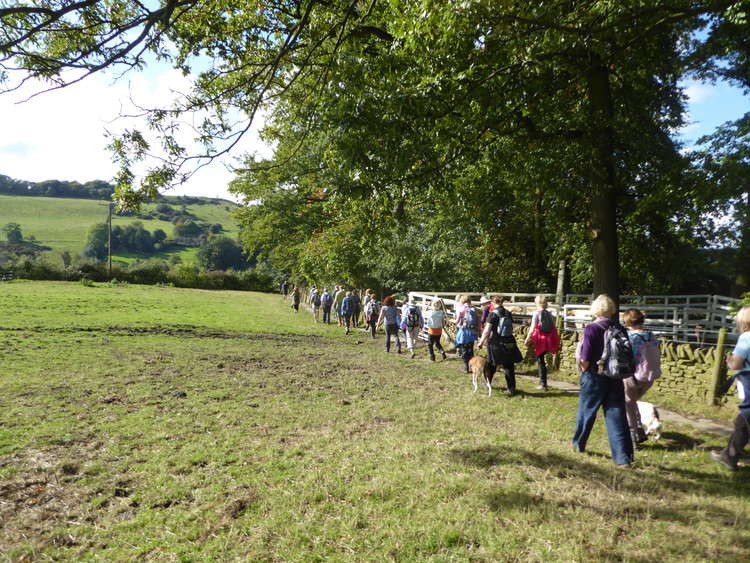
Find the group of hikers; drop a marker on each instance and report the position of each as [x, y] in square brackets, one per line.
[617, 364]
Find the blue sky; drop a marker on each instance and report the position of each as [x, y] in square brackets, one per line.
[710, 106]
[60, 135]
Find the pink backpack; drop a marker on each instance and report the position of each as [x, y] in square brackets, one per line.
[648, 363]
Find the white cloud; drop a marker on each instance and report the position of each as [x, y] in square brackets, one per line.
[61, 134]
[698, 93]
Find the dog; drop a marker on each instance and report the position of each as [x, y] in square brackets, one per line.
[480, 367]
[650, 419]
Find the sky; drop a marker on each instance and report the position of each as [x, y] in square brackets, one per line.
[61, 134]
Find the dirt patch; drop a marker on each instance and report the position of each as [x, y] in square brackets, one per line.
[185, 331]
[39, 497]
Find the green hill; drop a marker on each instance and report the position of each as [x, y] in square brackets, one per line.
[63, 223]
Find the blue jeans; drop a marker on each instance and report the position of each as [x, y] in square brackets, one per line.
[600, 391]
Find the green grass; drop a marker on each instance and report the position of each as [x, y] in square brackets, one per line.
[62, 224]
[293, 442]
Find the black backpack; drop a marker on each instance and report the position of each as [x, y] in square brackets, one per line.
[546, 322]
[412, 318]
[618, 359]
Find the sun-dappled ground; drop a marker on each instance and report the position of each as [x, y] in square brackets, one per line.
[170, 424]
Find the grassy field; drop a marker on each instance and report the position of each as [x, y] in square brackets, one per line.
[161, 424]
[63, 223]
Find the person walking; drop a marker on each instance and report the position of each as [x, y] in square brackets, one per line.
[739, 360]
[326, 300]
[337, 300]
[412, 322]
[485, 304]
[390, 315]
[466, 331]
[435, 322]
[315, 302]
[347, 310]
[502, 350]
[543, 336]
[356, 308]
[296, 296]
[648, 369]
[597, 390]
[372, 313]
[285, 289]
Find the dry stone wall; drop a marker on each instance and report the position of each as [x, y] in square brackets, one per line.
[686, 370]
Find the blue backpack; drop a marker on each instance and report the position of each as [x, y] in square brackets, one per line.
[470, 319]
[504, 322]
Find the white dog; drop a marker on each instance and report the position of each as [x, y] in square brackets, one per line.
[650, 419]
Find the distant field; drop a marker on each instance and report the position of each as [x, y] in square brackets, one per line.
[62, 223]
[162, 424]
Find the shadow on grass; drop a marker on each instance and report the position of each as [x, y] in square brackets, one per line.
[633, 490]
[651, 477]
[673, 442]
[546, 394]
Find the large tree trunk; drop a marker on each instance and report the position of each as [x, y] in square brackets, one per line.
[603, 183]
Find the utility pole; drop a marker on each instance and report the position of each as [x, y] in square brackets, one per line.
[109, 241]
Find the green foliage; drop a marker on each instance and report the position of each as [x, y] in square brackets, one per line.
[537, 131]
[221, 253]
[13, 233]
[97, 242]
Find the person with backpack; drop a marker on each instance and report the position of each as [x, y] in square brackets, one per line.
[372, 313]
[315, 302]
[389, 314]
[543, 336]
[738, 360]
[337, 300]
[502, 349]
[435, 323]
[466, 331]
[647, 369]
[605, 357]
[347, 310]
[412, 322]
[296, 296]
[326, 300]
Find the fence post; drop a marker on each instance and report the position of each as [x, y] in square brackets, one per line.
[560, 294]
[717, 377]
[560, 322]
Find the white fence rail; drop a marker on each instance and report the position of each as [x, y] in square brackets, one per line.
[694, 319]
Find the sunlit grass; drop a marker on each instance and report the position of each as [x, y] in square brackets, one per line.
[168, 424]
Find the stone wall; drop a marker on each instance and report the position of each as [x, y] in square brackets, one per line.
[686, 370]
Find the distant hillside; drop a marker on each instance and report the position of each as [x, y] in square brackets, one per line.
[63, 223]
[95, 189]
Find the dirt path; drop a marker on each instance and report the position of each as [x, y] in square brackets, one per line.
[698, 423]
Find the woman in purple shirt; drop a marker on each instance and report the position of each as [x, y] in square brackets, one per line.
[598, 390]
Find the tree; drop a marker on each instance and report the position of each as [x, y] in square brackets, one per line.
[159, 236]
[97, 242]
[189, 229]
[13, 233]
[726, 159]
[399, 97]
[221, 253]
